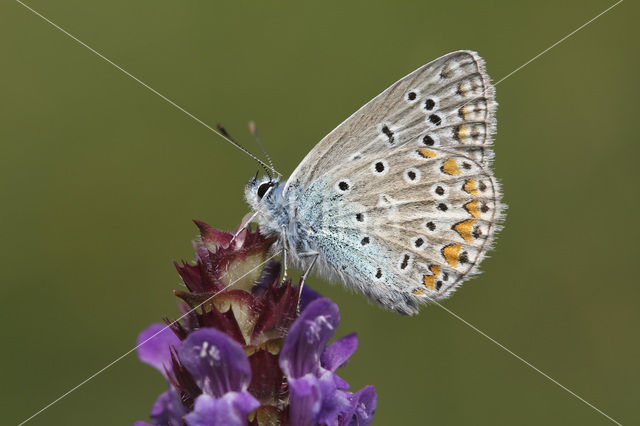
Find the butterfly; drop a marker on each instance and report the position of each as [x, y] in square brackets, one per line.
[398, 202]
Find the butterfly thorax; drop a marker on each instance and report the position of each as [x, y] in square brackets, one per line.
[279, 213]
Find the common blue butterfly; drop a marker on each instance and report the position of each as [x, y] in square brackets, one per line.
[399, 201]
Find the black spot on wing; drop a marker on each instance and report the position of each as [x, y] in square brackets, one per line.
[435, 119]
[387, 131]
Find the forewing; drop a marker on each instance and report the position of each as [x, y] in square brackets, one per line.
[446, 103]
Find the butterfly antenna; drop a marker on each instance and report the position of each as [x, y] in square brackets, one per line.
[228, 137]
[254, 132]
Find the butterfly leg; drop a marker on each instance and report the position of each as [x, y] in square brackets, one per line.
[303, 279]
[283, 240]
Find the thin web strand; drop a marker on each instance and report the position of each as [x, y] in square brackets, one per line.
[548, 49]
[209, 127]
[518, 357]
[145, 85]
[558, 42]
[138, 345]
[524, 361]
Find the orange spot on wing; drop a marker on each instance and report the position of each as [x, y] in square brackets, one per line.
[462, 133]
[427, 153]
[450, 167]
[418, 291]
[470, 187]
[464, 228]
[451, 254]
[429, 281]
[435, 269]
[473, 207]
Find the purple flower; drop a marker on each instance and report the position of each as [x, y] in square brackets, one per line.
[242, 353]
[362, 407]
[221, 369]
[154, 348]
[316, 392]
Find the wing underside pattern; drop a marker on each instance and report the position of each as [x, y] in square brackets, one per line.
[401, 196]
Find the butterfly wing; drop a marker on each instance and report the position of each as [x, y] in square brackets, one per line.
[399, 200]
[448, 102]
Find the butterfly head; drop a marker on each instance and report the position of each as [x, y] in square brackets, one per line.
[258, 190]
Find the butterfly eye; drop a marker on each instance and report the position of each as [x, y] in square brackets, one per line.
[262, 189]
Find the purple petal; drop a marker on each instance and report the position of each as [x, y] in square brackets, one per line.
[363, 407]
[217, 362]
[308, 337]
[339, 352]
[141, 423]
[154, 346]
[316, 400]
[340, 382]
[230, 410]
[305, 400]
[334, 401]
[167, 409]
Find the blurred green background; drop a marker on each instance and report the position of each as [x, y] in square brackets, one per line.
[100, 179]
